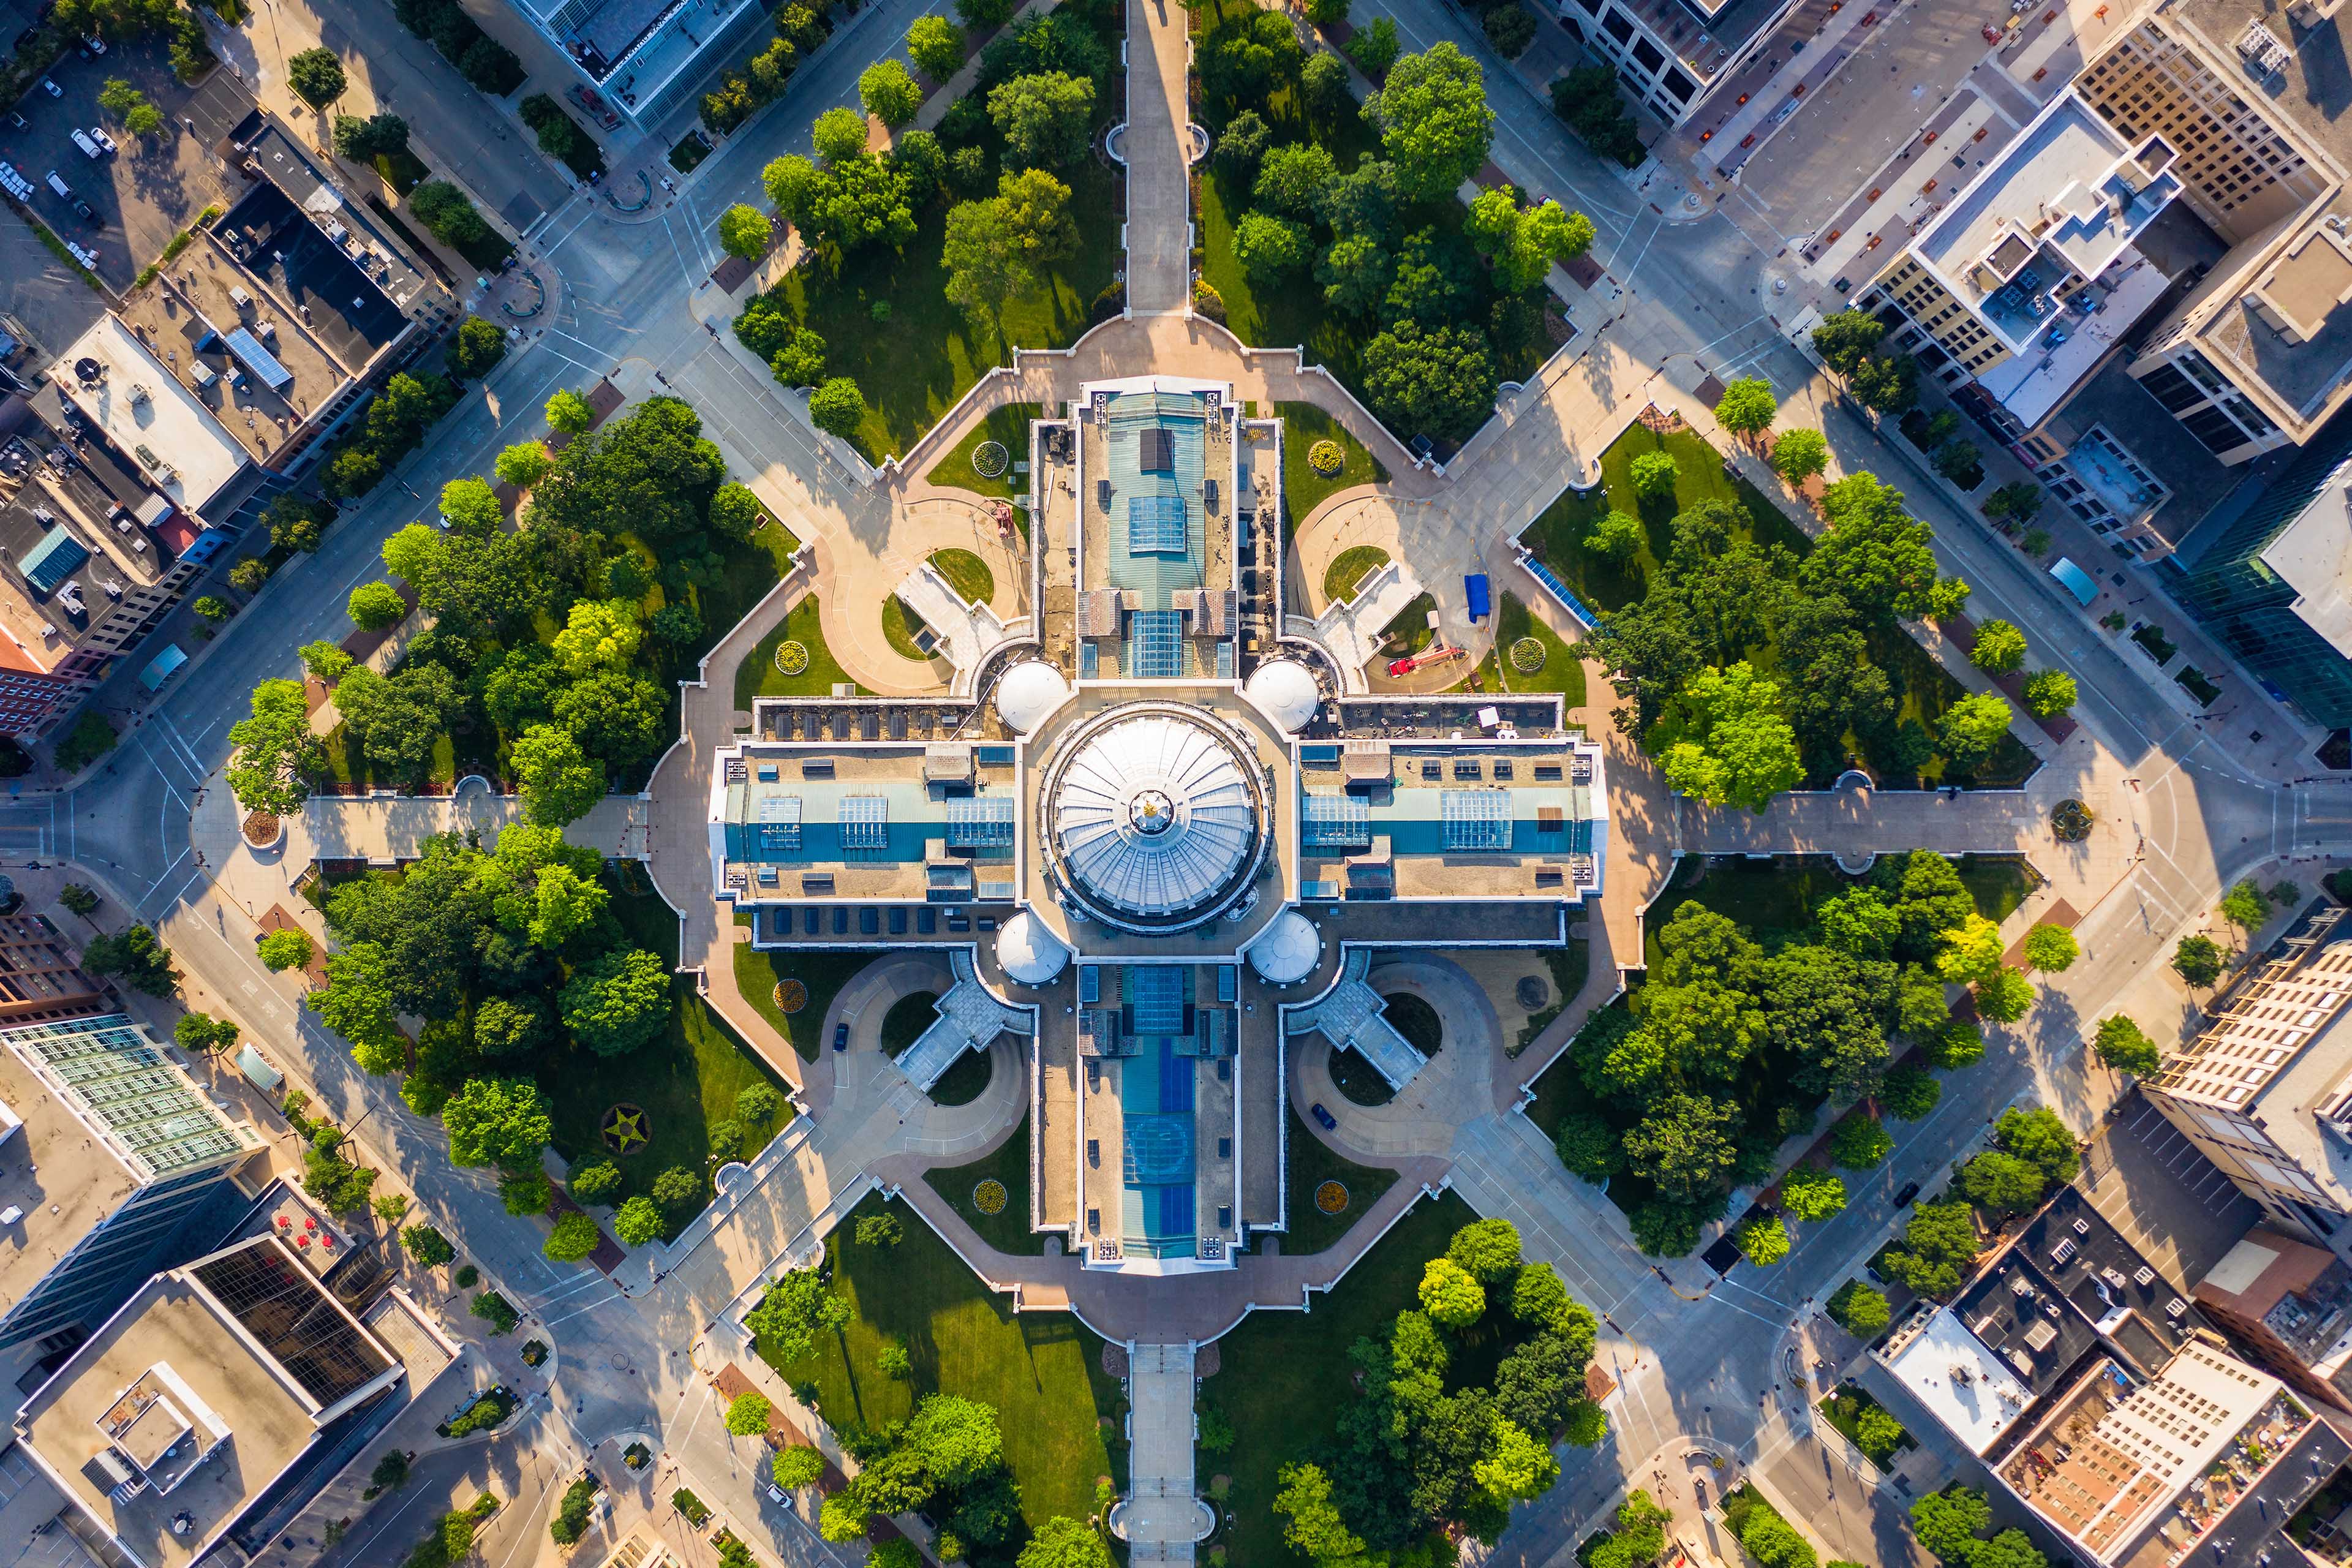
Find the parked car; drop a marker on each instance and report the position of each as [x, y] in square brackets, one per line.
[1323, 1117]
[1903, 1199]
[90, 149]
[99, 136]
[841, 1037]
[52, 88]
[88, 213]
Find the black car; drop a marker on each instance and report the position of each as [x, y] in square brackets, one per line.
[841, 1037]
[1903, 1199]
[1322, 1117]
[86, 210]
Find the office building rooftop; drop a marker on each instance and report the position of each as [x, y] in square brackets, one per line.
[141, 405]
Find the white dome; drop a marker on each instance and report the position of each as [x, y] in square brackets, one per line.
[1286, 951]
[1285, 692]
[1029, 952]
[1153, 815]
[1028, 692]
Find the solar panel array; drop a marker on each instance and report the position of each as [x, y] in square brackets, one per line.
[1156, 645]
[120, 1083]
[1335, 822]
[1476, 818]
[980, 822]
[1157, 994]
[1155, 525]
[864, 821]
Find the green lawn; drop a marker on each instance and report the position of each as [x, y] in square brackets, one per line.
[965, 1081]
[1008, 1231]
[685, 1081]
[1557, 537]
[758, 676]
[1009, 425]
[1059, 1412]
[900, 626]
[1563, 666]
[1312, 1163]
[967, 573]
[1412, 625]
[1775, 898]
[915, 364]
[1304, 489]
[908, 1016]
[1349, 568]
[824, 973]
[1285, 1376]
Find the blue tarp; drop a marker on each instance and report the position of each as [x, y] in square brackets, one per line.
[1475, 585]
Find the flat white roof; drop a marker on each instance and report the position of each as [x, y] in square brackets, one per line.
[2314, 555]
[1949, 1371]
[168, 425]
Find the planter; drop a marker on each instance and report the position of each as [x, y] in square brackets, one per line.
[263, 829]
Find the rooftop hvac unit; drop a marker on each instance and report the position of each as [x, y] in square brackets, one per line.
[140, 395]
[243, 301]
[2261, 48]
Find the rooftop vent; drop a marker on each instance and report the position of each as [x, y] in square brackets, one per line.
[2261, 50]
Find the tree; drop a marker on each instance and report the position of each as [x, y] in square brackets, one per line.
[1269, 248]
[2001, 1183]
[1327, 13]
[1747, 407]
[837, 406]
[1845, 339]
[1684, 1144]
[1887, 383]
[1808, 1193]
[1046, 119]
[1863, 1314]
[1292, 178]
[143, 961]
[276, 753]
[798, 1465]
[1487, 1250]
[840, 135]
[1947, 598]
[363, 141]
[1451, 1296]
[2015, 503]
[1065, 1542]
[1618, 537]
[1434, 120]
[2050, 949]
[1972, 952]
[880, 1230]
[428, 1246]
[568, 413]
[795, 1309]
[1733, 747]
[1798, 454]
[1910, 1094]
[637, 1221]
[2049, 693]
[202, 1035]
[676, 1187]
[1510, 30]
[1438, 383]
[523, 464]
[2124, 1045]
[376, 606]
[994, 248]
[575, 1235]
[594, 1182]
[78, 900]
[936, 45]
[743, 231]
[1999, 647]
[477, 349]
[1374, 49]
[559, 784]
[1653, 474]
[1958, 461]
[316, 75]
[889, 94]
[2004, 997]
[497, 1121]
[1762, 1242]
[1589, 1146]
[1859, 1143]
[1949, 1523]
[1516, 1467]
[1356, 271]
[2198, 959]
[1523, 245]
[284, 949]
[1243, 146]
[505, 1028]
[2041, 1136]
[2242, 906]
[1974, 725]
[1315, 1530]
[617, 1002]
[748, 1415]
[1323, 88]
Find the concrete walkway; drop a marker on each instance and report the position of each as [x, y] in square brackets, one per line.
[1162, 1515]
[1156, 147]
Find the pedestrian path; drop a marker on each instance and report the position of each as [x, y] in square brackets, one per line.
[1155, 143]
[1160, 1518]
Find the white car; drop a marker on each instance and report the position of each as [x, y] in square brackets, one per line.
[52, 88]
[103, 140]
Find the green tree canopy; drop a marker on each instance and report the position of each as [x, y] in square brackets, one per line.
[1747, 407]
[1046, 118]
[2124, 1045]
[1451, 1295]
[2052, 949]
[1729, 744]
[1974, 725]
[1810, 1192]
[1841, 340]
[497, 1120]
[276, 755]
[743, 231]
[936, 45]
[889, 94]
[1999, 647]
[617, 1002]
[1434, 120]
[1799, 454]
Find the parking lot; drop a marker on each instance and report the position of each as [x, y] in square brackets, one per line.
[150, 189]
[2168, 1199]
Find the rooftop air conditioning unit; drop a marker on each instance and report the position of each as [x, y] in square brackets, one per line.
[140, 395]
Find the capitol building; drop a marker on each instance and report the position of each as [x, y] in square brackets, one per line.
[1160, 826]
